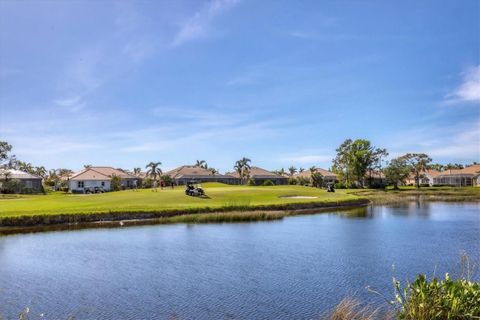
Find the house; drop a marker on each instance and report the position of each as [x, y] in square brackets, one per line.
[260, 175]
[328, 177]
[100, 177]
[426, 177]
[27, 182]
[183, 174]
[375, 178]
[469, 176]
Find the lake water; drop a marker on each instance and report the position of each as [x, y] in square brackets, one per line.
[296, 268]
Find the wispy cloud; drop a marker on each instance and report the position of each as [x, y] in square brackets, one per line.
[315, 36]
[308, 158]
[73, 104]
[199, 25]
[244, 80]
[469, 90]
[443, 143]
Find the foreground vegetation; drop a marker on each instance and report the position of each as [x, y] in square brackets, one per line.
[437, 299]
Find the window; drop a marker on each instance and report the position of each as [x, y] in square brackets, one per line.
[28, 184]
[80, 184]
[103, 183]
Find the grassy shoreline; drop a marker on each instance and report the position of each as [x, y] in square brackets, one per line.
[53, 209]
[404, 194]
[229, 216]
[224, 204]
[199, 215]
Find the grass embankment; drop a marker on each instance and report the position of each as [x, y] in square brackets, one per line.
[55, 208]
[389, 196]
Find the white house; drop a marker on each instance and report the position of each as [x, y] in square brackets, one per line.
[100, 177]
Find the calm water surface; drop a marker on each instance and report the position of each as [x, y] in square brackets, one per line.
[296, 268]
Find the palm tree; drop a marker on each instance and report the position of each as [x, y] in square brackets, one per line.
[154, 170]
[292, 170]
[26, 167]
[136, 171]
[213, 171]
[301, 170]
[40, 171]
[202, 164]
[242, 167]
[281, 172]
[87, 166]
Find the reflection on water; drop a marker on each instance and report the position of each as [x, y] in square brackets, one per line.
[297, 267]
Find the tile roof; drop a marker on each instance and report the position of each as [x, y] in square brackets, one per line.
[193, 172]
[470, 171]
[17, 174]
[100, 173]
[259, 173]
[323, 172]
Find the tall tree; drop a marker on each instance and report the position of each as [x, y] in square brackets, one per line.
[154, 170]
[213, 171]
[436, 166]
[137, 171]
[342, 163]
[397, 172]
[26, 167]
[5, 149]
[418, 163]
[202, 164]
[242, 167]
[317, 179]
[355, 158]
[40, 171]
[292, 170]
[301, 169]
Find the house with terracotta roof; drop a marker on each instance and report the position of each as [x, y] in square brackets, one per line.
[100, 177]
[469, 176]
[328, 177]
[27, 182]
[183, 174]
[260, 175]
[426, 177]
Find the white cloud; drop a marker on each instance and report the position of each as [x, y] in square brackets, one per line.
[72, 104]
[199, 24]
[469, 90]
[243, 80]
[448, 143]
[308, 158]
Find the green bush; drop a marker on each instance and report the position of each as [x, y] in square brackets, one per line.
[303, 181]
[268, 183]
[438, 299]
[340, 185]
[251, 182]
[167, 180]
[116, 183]
[147, 183]
[291, 181]
[12, 186]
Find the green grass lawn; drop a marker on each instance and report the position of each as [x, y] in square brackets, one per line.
[144, 200]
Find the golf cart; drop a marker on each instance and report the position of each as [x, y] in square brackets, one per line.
[194, 189]
[330, 187]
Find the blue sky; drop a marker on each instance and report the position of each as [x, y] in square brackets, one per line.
[281, 82]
